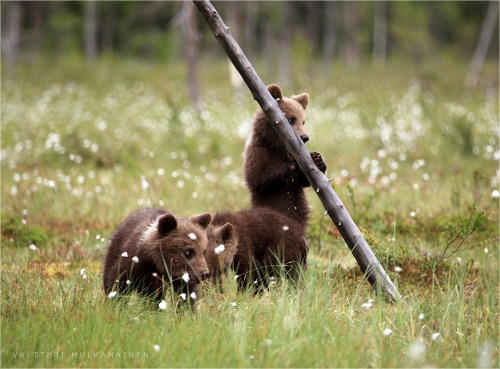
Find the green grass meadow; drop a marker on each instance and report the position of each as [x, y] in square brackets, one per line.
[413, 156]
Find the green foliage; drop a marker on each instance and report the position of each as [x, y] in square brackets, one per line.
[84, 145]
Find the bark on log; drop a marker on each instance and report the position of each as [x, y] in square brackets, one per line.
[365, 257]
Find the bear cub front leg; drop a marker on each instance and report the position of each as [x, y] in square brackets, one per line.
[316, 157]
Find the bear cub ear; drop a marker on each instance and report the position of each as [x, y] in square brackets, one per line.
[275, 91]
[302, 99]
[226, 232]
[167, 223]
[203, 220]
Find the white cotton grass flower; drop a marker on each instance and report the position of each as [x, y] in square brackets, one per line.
[286, 228]
[486, 250]
[83, 272]
[398, 269]
[368, 304]
[128, 282]
[124, 254]
[183, 296]
[387, 332]
[495, 194]
[219, 249]
[112, 294]
[162, 305]
[234, 304]
[416, 351]
[156, 348]
[33, 247]
[192, 236]
[193, 295]
[135, 259]
[185, 277]
[421, 316]
[485, 355]
[436, 336]
[154, 274]
[413, 214]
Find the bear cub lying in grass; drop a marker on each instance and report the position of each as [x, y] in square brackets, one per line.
[264, 244]
[151, 248]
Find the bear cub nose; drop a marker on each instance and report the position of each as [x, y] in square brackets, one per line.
[204, 275]
[304, 138]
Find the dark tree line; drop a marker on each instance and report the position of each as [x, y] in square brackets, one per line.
[354, 31]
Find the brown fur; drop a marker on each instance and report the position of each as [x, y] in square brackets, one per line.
[268, 244]
[272, 175]
[219, 264]
[161, 242]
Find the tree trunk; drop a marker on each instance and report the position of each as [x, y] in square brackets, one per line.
[11, 38]
[369, 264]
[330, 35]
[90, 30]
[190, 29]
[285, 44]
[483, 44]
[379, 31]
[352, 29]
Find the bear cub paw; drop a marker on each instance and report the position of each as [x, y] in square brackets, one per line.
[318, 160]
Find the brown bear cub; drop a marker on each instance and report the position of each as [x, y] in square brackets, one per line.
[269, 245]
[272, 175]
[221, 249]
[152, 247]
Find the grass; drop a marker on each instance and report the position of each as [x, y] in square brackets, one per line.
[414, 161]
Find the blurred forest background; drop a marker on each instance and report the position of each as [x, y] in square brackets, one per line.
[281, 33]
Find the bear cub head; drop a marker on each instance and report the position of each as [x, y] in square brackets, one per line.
[294, 109]
[177, 246]
[221, 249]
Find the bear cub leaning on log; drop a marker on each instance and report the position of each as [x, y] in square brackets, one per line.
[153, 247]
[272, 175]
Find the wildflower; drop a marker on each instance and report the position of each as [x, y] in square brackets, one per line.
[192, 236]
[84, 276]
[193, 295]
[144, 183]
[185, 277]
[368, 304]
[128, 282]
[398, 269]
[421, 316]
[495, 194]
[234, 304]
[436, 336]
[112, 294]
[268, 342]
[154, 274]
[98, 237]
[387, 332]
[32, 247]
[412, 214]
[183, 296]
[459, 260]
[162, 305]
[219, 249]
[135, 259]
[416, 351]
[156, 348]
[125, 254]
[286, 228]
[486, 250]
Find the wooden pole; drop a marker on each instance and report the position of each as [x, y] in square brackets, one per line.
[365, 257]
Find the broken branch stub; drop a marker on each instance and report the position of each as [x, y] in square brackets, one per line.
[360, 249]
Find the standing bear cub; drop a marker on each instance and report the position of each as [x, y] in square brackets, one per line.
[153, 247]
[272, 175]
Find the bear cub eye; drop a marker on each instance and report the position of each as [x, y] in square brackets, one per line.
[189, 253]
[291, 121]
